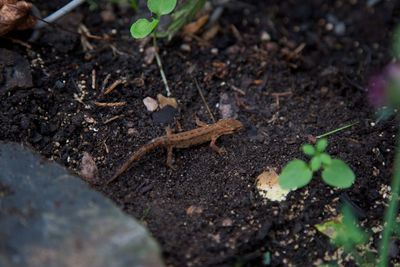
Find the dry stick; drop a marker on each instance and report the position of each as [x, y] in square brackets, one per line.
[113, 119]
[237, 89]
[106, 147]
[94, 79]
[113, 86]
[158, 59]
[278, 95]
[110, 104]
[204, 100]
[105, 81]
[19, 42]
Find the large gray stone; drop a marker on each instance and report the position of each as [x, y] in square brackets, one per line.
[50, 218]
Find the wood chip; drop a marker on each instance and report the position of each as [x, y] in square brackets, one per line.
[166, 101]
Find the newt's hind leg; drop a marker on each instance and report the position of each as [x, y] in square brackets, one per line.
[217, 149]
[170, 158]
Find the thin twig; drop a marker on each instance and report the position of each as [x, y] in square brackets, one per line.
[159, 63]
[278, 95]
[113, 86]
[110, 104]
[106, 147]
[19, 42]
[94, 79]
[105, 81]
[113, 119]
[237, 89]
[204, 100]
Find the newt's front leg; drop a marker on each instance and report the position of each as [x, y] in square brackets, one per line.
[170, 158]
[217, 149]
[170, 148]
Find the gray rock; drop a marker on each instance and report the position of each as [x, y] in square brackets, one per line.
[15, 71]
[49, 217]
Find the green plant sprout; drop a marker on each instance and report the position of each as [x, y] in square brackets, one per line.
[384, 94]
[182, 16]
[346, 234]
[144, 27]
[298, 173]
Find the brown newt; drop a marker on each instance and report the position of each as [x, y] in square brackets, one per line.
[204, 133]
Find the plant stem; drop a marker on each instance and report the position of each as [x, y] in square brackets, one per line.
[336, 130]
[159, 63]
[391, 211]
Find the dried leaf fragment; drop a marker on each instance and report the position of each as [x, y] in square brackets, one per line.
[194, 27]
[166, 101]
[268, 186]
[15, 15]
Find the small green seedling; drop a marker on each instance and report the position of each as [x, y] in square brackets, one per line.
[345, 233]
[144, 27]
[348, 234]
[335, 172]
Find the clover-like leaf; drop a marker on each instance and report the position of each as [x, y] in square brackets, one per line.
[321, 145]
[338, 174]
[308, 149]
[143, 27]
[326, 159]
[315, 163]
[295, 174]
[161, 7]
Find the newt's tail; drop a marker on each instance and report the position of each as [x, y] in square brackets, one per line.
[135, 157]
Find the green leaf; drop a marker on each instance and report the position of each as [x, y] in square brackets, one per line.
[143, 27]
[322, 144]
[315, 163]
[295, 174]
[348, 234]
[308, 149]
[161, 7]
[326, 159]
[338, 174]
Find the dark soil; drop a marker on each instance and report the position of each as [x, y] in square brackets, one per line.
[207, 212]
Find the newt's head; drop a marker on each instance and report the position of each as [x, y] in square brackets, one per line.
[229, 126]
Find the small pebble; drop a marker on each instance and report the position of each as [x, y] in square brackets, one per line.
[150, 103]
[227, 222]
[265, 37]
[214, 51]
[186, 48]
